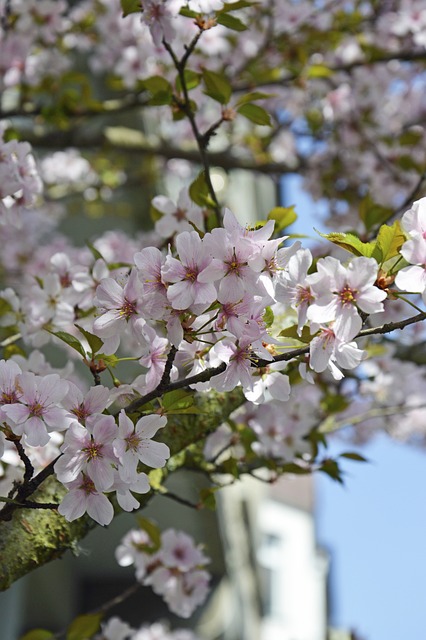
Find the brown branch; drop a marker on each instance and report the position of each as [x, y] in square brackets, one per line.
[111, 107]
[26, 489]
[83, 139]
[33, 537]
[403, 56]
[186, 107]
[179, 499]
[165, 379]
[206, 375]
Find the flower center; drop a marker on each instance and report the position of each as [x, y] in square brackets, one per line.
[348, 295]
[128, 308]
[303, 294]
[191, 274]
[180, 214]
[80, 412]
[87, 485]
[93, 451]
[9, 397]
[133, 442]
[36, 410]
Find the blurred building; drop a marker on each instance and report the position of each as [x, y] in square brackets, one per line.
[276, 582]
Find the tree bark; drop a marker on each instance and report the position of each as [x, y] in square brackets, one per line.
[34, 537]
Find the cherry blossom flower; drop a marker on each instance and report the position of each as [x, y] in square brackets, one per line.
[192, 289]
[158, 16]
[178, 550]
[341, 291]
[333, 347]
[133, 444]
[89, 449]
[154, 357]
[269, 384]
[82, 407]
[175, 571]
[183, 595]
[119, 307]
[38, 410]
[413, 278]
[124, 490]
[149, 263]
[129, 548]
[115, 629]
[231, 249]
[10, 389]
[293, 286]
[82, 496]
[177, 217]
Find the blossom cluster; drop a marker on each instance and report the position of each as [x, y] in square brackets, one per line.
[116, 629]
[20, 183]
[413, 278]
[174, 568]
[97, 456]
[212, 298]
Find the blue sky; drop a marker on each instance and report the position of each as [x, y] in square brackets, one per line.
[374, 526]
[375, 530]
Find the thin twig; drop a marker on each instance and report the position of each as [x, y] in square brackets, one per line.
[5, 17]
[105, 607]
[186, 107]
[25, 489]
[179, 499]
[29, 469]
[165, 379]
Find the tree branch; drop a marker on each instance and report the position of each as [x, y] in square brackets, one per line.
[132, 142]
[33, 537]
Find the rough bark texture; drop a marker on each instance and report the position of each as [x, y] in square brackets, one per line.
[34, 537]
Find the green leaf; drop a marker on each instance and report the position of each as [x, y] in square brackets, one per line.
[389, 242]
[199, 191]
[192, 80]
[178, 399]
[156, 480]
[318, 71]
[332, 469]
[230, 22]
[350, 242]
[10, 501]
[84, 627]
[95, 343]
[130, 6]
[283, 216]
[5, 307]
[230, 465]
[208, 499]
[70, 341]
[291, 332]
[160, 89]
[217, 86]
[372, 213]
[268, 317]
[109, 361]
[252, 96]
[255, 114]
[411, 137]
[38, 634]
[292, 467]
[188, 13]
[234, 6]
[351, 455]
[333, 403]
[152, 530]
[96, 254]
